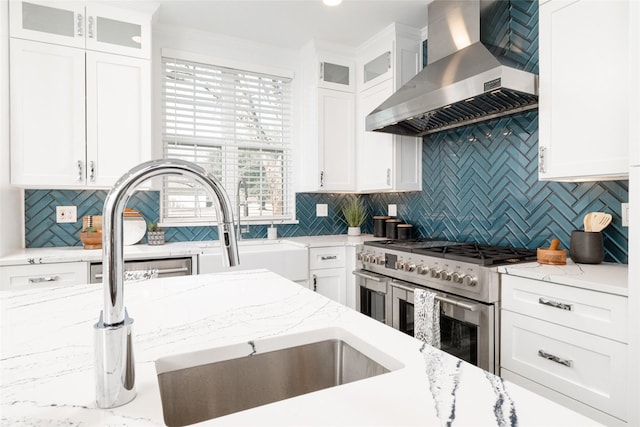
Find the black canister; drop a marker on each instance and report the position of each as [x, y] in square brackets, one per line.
[586, 247]
[379, 223]
[405, 231]
[392, 228]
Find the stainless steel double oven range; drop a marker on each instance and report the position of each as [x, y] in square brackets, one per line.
[464, 278]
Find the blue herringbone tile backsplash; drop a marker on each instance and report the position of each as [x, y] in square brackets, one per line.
[480, 183]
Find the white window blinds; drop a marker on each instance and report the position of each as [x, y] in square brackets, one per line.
[237, 125]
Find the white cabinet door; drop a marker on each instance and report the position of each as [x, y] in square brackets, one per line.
[86, 25]
[375, 157]
[118, 31]
[59, 22]
[584, 89]
[384, 161]
[329, 282]
[47, 114]
[118, 114]
[336, 144]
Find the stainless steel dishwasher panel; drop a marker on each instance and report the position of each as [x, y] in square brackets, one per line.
[167, 267]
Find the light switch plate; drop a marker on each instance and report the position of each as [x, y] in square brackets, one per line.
[392, 210]
[322, 210]
[66, 214]
[625, 214]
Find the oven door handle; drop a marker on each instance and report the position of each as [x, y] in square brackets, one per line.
[447, 300]
[369, 276]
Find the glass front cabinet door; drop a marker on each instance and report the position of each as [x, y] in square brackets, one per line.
[92, 26]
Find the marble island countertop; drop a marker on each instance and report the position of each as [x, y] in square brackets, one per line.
[46, 358]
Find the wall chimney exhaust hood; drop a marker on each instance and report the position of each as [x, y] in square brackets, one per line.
[471, 75]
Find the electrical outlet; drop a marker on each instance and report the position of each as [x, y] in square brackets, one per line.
[625, 214]
[66, 214]
[322, 210]
[392, 210]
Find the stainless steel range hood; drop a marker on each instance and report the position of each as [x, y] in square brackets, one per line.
[463, 82]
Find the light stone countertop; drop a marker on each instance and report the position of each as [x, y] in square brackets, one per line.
[46, 358]
[606, 277]
[172, 249]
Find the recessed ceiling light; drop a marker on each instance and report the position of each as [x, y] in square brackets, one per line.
[332, 2]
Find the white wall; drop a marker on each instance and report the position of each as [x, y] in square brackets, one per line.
[11, 200]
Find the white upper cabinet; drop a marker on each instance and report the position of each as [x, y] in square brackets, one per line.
[327, 152]
[79, 117]
[584, 90]
[386, 162]
[88, 25]
[634, 98]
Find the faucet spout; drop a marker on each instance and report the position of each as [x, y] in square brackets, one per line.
[115, 376]
[242, 183]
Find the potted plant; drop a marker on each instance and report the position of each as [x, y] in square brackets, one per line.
[155, 234]
[354, 213]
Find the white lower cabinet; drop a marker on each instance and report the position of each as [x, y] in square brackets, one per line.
[327, 272]
[561, 340]
[18, 277]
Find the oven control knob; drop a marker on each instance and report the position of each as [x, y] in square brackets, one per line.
[457, 277]
[445, 275]
[408, 266]
[435, 273]
[380, 260]
[422, 269]
[399, 265]
[360, 256]
[468, 280]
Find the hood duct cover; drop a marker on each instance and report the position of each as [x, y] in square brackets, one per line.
[459, 86]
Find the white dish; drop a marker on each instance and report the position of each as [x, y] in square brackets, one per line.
[133, 230]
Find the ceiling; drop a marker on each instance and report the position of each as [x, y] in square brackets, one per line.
[292, 23]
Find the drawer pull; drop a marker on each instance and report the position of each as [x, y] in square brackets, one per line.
[328, 257]
[548, 356]
[555, 304]
[44, 279]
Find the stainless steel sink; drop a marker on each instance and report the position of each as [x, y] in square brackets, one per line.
[211, 390]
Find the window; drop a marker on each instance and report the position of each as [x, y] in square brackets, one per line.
[237, 125]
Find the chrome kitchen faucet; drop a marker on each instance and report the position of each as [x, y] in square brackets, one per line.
[242, 183]
[115, 374]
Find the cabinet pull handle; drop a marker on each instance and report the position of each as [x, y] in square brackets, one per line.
[542, 159]
[80, 171]
[555, 304]
[44, 279]
[315, 283]
[160, 271]
[389, 176]
[328, 257]
[388, 60]
[321, 178]
[549, 356]
[90, 27]
[322, 71]
[92, 171]
[80, 25]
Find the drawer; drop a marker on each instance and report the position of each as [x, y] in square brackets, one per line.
[329, 257]
[585, 367]
[43, 275]
[589, 311]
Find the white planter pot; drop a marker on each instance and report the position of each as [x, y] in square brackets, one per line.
[353, 231]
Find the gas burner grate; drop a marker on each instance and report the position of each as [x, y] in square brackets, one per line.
[485, 255]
